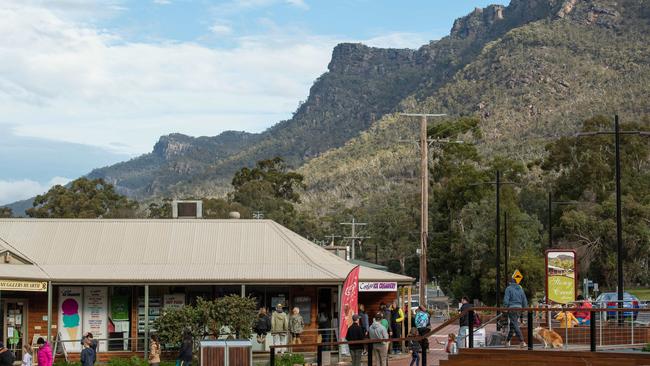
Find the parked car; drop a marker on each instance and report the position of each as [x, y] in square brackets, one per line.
[610, 300]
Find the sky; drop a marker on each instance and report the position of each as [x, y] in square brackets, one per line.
[84, 84]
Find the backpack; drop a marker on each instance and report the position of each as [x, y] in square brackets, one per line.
[421, 320]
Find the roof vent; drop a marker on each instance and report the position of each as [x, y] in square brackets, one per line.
[187, 209]
[234, 215]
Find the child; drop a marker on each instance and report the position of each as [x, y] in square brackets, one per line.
[88, 354]
[450, 346]
[27, 355]
[415, 348]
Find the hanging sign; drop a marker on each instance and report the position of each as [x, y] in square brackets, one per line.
[15, 285]
[95, 315]
[561, 276]
[70, 316]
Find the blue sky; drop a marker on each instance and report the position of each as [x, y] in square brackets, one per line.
[86, 83]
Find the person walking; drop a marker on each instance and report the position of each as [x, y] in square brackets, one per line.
[28, 360]
[415, 347]
[379, 350]
[186, 351]
[88, 355]
[397, 319]
[279, 327]
[44, 354]
[515, 298]
[154, 351]
[422, 323]
[6, 357]
[464, 322]
[296, 326]
[355, 333]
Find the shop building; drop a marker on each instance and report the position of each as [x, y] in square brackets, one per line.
[114, 277]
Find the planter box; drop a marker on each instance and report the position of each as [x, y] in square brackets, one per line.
[226, 353]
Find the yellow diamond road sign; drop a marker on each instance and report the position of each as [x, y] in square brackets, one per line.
[517, 276]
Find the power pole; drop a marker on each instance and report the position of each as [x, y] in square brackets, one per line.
[331, 238]
[424, 202]
[354, 236]
[619, 221]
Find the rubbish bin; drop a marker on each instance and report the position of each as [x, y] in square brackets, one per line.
[226, 353]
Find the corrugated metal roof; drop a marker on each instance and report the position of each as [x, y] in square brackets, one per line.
[235, 251]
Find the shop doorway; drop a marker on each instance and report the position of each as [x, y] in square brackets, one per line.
[326, 314]
[14, 325]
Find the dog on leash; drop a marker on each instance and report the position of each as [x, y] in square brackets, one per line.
[549, 337]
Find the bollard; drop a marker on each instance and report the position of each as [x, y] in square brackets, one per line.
[592, 332]
[319, 355]
[370, 353]
[272, 360]
[470, 332]
[530, 331]
[424, 357]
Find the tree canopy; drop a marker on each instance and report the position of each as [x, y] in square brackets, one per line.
[82, 198]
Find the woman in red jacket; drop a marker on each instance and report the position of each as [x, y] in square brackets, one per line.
[582, 312]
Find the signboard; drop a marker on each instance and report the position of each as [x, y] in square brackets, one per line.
[377, 286]
[70, 316]
[32, 286]
[173, 301]
[304, 304]
[517, 276]
[561, 276]
[120, 308]
[95, 315]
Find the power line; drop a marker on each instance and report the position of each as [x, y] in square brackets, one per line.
[354, 237]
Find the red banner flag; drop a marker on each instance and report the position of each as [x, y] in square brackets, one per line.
[349, 301]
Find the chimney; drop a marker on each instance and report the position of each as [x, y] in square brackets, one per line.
[187, 209]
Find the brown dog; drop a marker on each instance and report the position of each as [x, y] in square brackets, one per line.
[549, 337]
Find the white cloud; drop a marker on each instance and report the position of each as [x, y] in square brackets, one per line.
[298, 3]
[67, 81]
[221, 29]
[398, 40]
[11, 191]
[162, 2]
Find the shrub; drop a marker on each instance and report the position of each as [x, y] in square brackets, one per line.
[290, 359]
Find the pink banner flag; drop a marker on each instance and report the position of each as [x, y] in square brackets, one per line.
[349, 301]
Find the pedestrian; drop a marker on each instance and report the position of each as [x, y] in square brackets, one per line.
[355, 333]
[415, 347]
[279, 327]
[27, 355]
[422, 323]
[397, 318]
[387, 315]
[44, 354]
[379, 332]
[6, 357]
[385, 323]
[88, 355]
[186, 351]
[262, 325]
[93, 344]
[464, 322]
[296, 326]
[515, 298]
[583, 311]
[363, 319]
[154, 351]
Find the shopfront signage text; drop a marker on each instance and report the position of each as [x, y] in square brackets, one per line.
[377, 286]
[34, 286]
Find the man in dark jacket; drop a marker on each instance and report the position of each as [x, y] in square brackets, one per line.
[515, 298]
[464, 322]
[355, 333]
[185, 354]
[88, 355]
[6, 357]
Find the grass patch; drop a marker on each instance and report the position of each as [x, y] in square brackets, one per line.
[642, 293]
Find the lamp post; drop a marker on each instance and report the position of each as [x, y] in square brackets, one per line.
[619, 222]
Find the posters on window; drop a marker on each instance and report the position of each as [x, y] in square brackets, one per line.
[70, 317]
[95, 315]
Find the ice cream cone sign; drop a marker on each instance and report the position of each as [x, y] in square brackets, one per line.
[71, 321]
